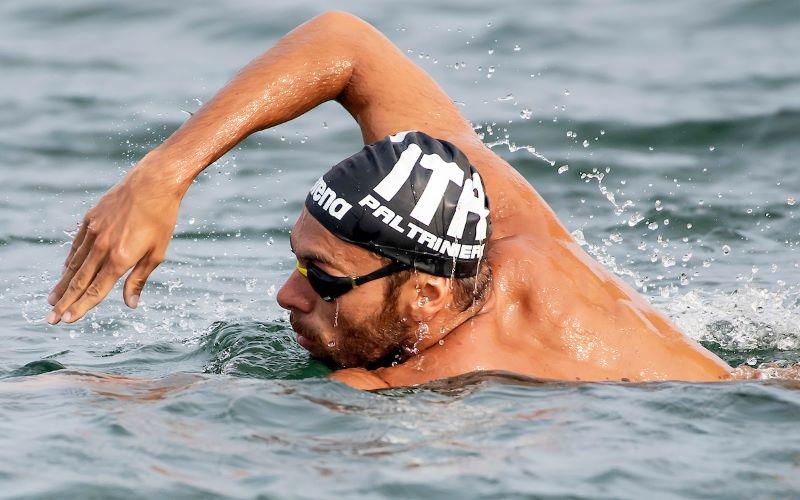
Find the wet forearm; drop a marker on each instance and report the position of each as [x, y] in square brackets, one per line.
[307, 67]
[359, 378]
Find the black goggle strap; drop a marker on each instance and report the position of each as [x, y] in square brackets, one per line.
[387, 270]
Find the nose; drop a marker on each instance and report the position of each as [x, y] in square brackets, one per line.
[296, 294]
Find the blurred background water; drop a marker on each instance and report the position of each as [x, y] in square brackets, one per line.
[669, 137]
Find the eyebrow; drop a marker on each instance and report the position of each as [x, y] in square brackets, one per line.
[312, 256]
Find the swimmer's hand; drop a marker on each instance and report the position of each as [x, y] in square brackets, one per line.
[766, 371]
[130, 227]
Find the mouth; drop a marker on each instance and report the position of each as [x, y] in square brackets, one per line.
[305, 340]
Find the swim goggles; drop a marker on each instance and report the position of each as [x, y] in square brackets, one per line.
[330, 287]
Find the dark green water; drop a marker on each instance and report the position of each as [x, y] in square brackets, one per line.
[678, 122]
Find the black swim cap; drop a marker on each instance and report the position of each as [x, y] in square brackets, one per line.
[411, 198]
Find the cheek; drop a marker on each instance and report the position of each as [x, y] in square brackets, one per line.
[332, 320]
[354, 316]
[364, 302]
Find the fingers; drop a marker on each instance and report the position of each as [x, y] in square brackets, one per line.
[76, 243]
[76, 286]
[138, 277]
[94, 294]
[72, 267]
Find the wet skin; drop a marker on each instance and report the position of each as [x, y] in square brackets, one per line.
[552, 311]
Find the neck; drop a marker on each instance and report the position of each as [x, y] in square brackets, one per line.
[446, 322]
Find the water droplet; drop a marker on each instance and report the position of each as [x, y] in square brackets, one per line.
[791, 200]
[652, 226]
[271, 290]
[526, 114]
[579, 238]
[659, 207]
[331, 344]
[684, 279]
[566, 92]
[441, 341]
[726, 249]
[563, 169]
[517, 48]
[667, 260]
[712, 148]
[666, 222]
[615, 237]
[191, 221]
[491, 51]
[585, 143]
[635, 219]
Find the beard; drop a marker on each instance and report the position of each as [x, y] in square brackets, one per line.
[380, 340]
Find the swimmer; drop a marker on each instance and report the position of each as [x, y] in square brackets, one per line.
[421, 257]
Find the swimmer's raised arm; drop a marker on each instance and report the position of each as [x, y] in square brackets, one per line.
[333, 56]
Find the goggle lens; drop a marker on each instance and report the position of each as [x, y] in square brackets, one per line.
[329, 287]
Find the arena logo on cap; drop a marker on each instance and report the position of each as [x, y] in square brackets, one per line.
[326, 198]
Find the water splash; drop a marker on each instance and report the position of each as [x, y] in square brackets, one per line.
[747, 319]
[513, 148]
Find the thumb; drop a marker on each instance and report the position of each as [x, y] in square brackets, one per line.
[137, 278]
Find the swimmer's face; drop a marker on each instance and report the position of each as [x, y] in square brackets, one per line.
[362, 327]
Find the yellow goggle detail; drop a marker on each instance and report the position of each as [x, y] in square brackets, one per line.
[302, 270]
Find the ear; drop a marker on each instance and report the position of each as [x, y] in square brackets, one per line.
[423, 296]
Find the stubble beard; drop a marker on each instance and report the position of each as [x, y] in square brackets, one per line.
[380, 340]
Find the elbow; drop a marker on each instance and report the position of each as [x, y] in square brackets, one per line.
[338, 23]
[338, 18]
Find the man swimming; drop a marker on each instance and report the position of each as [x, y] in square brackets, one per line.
[421, 257]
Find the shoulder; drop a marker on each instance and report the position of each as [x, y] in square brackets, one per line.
[526, 272]
[520, 256]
